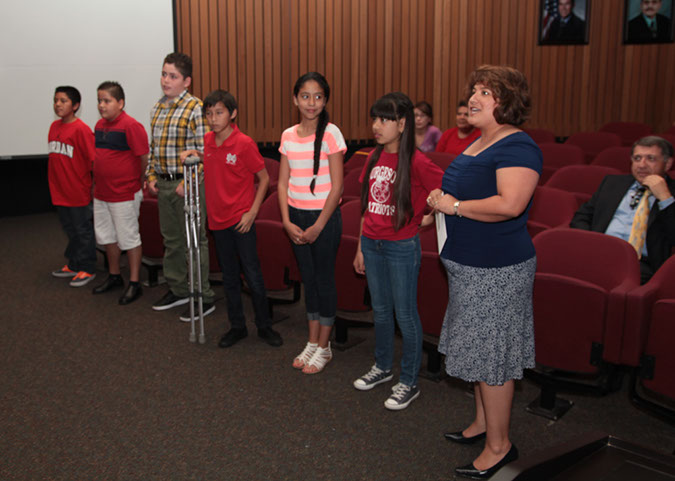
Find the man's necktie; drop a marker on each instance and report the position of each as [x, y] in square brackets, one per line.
[652, 27]
[638, 231]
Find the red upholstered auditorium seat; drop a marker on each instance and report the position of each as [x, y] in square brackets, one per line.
[550, 208]
[441, 159]
[272, 167]
[581, 180]
[592, 143]
[151, 238]
[277, 260]
[628, 131]
[432, 300]
[557, 156]
[640, 311]
[580, 291]
[540, 136]
[670, 137]
[428, 238]
[352, 288]
[269, 209]
[648, 340]
[615, 157]
[432, 293]
[351, 186]
[357, 160]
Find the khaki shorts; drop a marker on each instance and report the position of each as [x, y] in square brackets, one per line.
[117, 222]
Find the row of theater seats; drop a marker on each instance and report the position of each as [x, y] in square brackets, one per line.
[593, 321]
[592, 144]
[608, 147]
[591, 316]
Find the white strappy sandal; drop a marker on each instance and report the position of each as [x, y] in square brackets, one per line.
[320, 358]
[305, 356]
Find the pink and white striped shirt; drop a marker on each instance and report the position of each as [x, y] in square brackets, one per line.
[300, 154]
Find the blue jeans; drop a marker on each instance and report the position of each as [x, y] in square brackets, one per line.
[392, 268]
[78, 224]
[316, 262]
[236, 253]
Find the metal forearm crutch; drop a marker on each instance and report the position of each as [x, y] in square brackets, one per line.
[192, 234]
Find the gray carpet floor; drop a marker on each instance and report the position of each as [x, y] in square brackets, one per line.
[90, 390]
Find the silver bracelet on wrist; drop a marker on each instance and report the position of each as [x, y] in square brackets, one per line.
[456, 208]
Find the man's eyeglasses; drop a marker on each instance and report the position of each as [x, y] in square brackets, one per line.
[648, 158]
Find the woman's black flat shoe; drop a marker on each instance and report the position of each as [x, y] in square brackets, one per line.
[469, 471]
[459, 438]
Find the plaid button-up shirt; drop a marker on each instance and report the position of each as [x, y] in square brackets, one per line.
[176, 125]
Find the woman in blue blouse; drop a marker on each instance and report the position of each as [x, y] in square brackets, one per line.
[487, 334]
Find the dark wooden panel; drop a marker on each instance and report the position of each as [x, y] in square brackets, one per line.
[258, 48]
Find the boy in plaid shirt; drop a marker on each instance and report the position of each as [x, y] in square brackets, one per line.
[177, 124]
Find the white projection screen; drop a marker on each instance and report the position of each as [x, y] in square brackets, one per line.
[47, 43]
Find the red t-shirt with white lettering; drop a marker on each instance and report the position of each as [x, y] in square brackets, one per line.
[425, 176]
[71, 152]
[120, 144]
[229, 173]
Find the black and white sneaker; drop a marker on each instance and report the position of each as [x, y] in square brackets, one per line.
[208, 308]
[169, 301]
[372, 378]
[402, 397]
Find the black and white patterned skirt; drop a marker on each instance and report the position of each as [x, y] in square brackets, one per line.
[488, 332]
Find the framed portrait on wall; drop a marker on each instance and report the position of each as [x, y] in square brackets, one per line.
[648, 21]
[563, 22]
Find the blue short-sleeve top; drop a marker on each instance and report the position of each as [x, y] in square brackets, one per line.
[489, 244]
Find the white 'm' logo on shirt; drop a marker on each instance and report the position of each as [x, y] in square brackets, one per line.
[231, 159]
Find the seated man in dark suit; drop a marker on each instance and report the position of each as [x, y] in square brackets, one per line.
[567, 27]
[649, 26]
[623, 203]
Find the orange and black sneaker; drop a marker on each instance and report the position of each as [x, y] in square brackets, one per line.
[64, 272]
[82, 278]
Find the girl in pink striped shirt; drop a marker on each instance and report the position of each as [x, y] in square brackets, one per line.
[310, 187]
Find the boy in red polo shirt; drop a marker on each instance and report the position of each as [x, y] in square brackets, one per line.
[231, 163]
[71, 152]
[119, 169]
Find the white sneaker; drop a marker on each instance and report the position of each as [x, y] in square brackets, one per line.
[372, 378]
[402, 397]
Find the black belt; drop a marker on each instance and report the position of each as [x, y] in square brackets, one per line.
[170, 176]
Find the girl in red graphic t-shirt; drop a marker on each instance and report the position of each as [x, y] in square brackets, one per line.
[395, 183]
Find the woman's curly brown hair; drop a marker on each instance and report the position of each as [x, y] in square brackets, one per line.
[510, 90]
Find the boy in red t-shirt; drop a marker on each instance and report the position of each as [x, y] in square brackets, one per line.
[119, 169]
[71, 151]
[231, 163]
